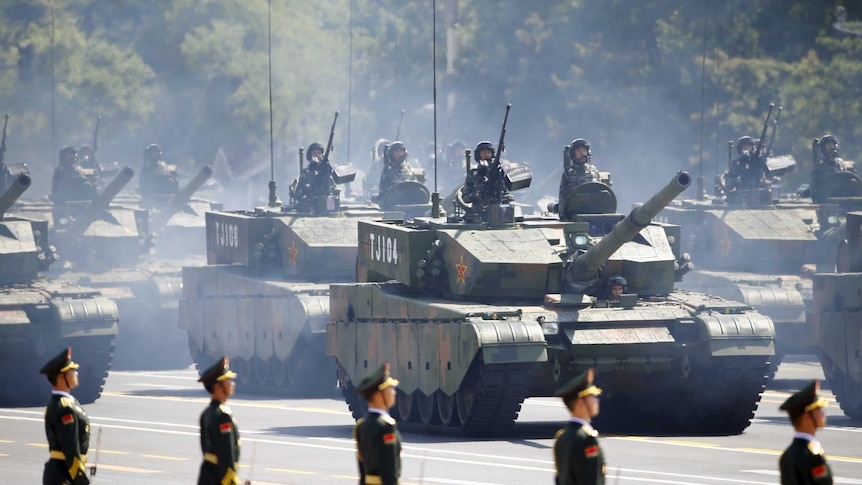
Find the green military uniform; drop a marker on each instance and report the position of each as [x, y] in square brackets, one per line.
[378, 442]
[219, 434]
[67, 428]
[578, 458]
[804, 461]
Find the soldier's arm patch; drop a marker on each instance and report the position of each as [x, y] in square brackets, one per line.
[389, 439]
[68, 419]
[224, 427]
[591, 451]
[819, 472]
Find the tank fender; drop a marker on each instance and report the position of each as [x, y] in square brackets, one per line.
[78, 318]
[782, 304]
[751, 334]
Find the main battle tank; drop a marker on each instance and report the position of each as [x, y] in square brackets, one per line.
[762, 248]
[103, 245]
[39, 316]
[836, 320]
[474, 318]
[263, 297]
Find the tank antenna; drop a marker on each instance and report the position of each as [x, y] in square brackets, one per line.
[701, 192]
[435, 196]
[273, 197]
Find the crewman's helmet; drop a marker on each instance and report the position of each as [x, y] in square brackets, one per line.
[826, 139]
[618, 280]
[313, 147]
[394, 146]
[484, 145]
[576, 143]
[744, 140]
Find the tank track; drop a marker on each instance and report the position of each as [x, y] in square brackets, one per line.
[94, 356]
[498, 393]
[847, 391]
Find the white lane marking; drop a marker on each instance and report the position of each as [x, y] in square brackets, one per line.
[679, 475]
[157, 376]
[234, 403]
[774, 473]
[450, 481]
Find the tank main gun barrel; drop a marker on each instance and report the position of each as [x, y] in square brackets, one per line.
[19, 185]
[586, 265]
[101, 202]
[182, 198]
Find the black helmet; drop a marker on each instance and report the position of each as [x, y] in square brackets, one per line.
[576, 143]
[483, 145]
[618, 280]
[68, 149]
[743, 140]
[827, 138]
[311, 148]
[397, 144]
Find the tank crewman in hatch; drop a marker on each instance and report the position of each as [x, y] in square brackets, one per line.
[577, 168]
[828, 162]
[748, 171]
[395, 168]
[616, 287]
[804, 461]
[219, 434]
[485, 185]
[578, 458]
[315, 179]
[67, 426]
[157, 177]
[69, 183]
[378, 442]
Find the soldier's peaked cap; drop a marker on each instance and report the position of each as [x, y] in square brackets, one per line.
[804, 400]
[59, 363]
[217, 372]
[580, 386]
[377, 380]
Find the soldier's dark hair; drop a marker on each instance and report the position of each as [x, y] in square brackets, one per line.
[369, 393]
[52, 378]
[570, 400]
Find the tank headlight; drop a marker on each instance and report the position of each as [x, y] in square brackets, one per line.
[550, 328]
[63, 221]
[833, 219]
[581, 240]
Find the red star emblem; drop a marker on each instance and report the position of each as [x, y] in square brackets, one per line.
[725, 246]
[293, 252]
[462, 269]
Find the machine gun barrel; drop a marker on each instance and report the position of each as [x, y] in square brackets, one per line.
[182, 198]
[624, 231]
[19, 185]
[758, 151]
[329, 143]
[101, 202]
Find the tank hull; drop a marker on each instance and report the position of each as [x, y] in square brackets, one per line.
[465, 368]
[43, 316]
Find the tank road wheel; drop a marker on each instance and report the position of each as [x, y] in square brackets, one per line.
[260, 369]
[357, 405]
[278, 369]
[465, 397]
[446, 409]
[426, 405]
[404, 406]
[243, 370]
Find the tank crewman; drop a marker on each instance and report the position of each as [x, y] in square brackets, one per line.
[452, 171]
[804, 461]
[747, 171]
[395, 168]
[86, 158]
[828, 162]
[67, 426]
[378, 442]
[315, 179]
[157, 177]
[617, 286]
[219, 434]
[69, 182]
[485, 185]
[577, 169]
[578, 458]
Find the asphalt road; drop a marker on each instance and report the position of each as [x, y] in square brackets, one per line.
[149, 434]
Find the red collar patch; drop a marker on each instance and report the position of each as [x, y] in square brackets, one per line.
[68, 419]
[819, 472]
[224, 427]
[389, 439]
[591, 451]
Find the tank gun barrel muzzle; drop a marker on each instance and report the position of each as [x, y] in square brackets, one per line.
[586, 265]
[101, 202]
[182, 198]
[19, 185]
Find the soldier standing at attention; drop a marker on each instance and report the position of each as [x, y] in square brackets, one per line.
[219, 434]
[378, 443]
[578, 458]
[66, 425]
[828, 162]
[804, 461]
[577, 168]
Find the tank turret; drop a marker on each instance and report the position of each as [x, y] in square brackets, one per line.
[179, 201]
[474, 317]
[19, 185]
[94, 209]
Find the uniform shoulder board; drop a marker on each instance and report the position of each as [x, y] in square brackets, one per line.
[224, 408]
[590, 431]
[66, 402]
[815, 449]
[388, 420]
[360, 420]
[559, 433]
